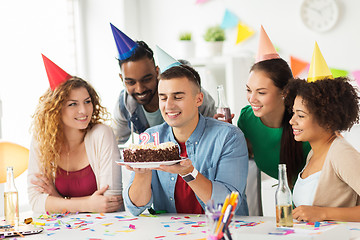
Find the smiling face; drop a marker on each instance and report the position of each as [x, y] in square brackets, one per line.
[264, 97]
[304, 124]
[77, 109]
[140, 78]
[179, 100]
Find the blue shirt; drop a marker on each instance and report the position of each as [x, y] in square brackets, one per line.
[217, 150]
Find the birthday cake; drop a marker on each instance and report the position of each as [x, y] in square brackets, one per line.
[151, 153]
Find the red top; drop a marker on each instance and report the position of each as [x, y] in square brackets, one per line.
[79, 183]
[185, 199]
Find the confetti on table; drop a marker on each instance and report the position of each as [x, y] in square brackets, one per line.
[160, 237]
[107, 224]
[132, 226]
[131, 219]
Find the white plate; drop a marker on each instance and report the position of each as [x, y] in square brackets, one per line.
[149, 164]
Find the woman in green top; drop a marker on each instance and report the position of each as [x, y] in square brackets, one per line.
[265, 122]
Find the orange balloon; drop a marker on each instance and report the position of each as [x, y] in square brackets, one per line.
[12, 154]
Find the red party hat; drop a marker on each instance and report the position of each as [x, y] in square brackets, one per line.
[55, 74]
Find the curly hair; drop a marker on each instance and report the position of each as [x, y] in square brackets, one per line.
[334, 103]
[47, 124]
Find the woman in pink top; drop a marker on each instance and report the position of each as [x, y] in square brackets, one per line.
[72, 155]
[321, 110]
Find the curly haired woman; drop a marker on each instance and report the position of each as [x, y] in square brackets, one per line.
[328, 188]
[72, 156]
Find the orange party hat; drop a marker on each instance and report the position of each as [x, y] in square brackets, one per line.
[266, 49]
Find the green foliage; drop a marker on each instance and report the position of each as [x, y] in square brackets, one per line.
[215, 33]
[185, 36]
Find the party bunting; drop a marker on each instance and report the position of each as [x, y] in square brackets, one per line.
[338, 72]
[201, 1]
[243, 33]
[356, 75]
[230, 20]
[297, 66]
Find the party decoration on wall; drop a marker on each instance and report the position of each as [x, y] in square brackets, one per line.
[339, 72]
[55, 74]
[165, 60]
[230, 20]
[201, 1]
[297, 66]
[243, 32]
[356, 75]
[266, 49]
[125, 45]
[318, 67]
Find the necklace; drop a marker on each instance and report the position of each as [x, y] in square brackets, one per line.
[67, 163]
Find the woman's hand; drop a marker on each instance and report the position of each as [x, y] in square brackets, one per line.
[309, 213]
[97, 202]
[44, 185]
[219, 116]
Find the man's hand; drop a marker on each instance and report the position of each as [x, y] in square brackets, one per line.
[184, 167]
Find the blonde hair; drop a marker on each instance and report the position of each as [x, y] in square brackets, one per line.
[47, 124]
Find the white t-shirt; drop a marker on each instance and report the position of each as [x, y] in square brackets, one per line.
[304, 189]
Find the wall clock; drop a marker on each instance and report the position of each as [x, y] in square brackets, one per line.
[319, 15]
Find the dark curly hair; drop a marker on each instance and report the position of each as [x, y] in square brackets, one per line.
[142, 51]
[334, 103]
[291, 151]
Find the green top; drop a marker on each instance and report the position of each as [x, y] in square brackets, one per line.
[265, 141]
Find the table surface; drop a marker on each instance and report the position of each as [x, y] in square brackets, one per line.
[122, 225]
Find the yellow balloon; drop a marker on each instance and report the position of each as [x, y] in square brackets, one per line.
[12, 154]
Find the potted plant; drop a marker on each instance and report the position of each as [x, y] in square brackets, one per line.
[214, 38]
[186, 45]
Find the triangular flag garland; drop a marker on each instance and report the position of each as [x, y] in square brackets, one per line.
[297, 66]
[356, 75]
[230, 20]
[338, 72]
[201, 1]
[243, 32]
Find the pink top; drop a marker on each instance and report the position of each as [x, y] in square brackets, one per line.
[77, 184]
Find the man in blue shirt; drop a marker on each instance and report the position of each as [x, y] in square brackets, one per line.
[217, 157]
[137, 107]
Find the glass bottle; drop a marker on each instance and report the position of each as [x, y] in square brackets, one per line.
[283, 200]
[11, 201]
[223, 108]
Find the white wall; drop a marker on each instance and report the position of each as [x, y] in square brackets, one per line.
[160, 22]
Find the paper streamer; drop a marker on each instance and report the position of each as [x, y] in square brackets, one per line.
[297, 66]
[356, 75]
[230, 20]
[243, 33]
[338, 72]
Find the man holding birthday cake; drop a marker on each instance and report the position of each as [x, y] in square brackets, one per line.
[216, 154]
